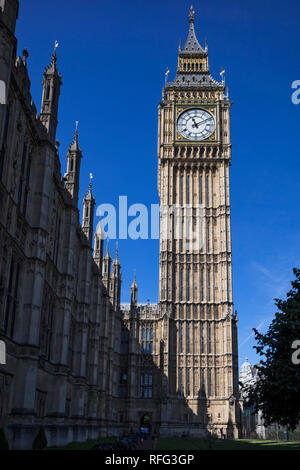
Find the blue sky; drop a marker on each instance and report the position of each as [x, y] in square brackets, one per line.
[113, 55]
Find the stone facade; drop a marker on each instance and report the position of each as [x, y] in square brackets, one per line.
[78, 362]
[59, 318]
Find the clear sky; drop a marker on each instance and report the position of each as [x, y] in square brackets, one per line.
[113, 55]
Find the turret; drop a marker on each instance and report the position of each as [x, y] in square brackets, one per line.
[73, 167]
[106, 268]
[51, 90]
[134, 290]
[88, 213]
[8, 18]
[9, 10]
[116, 281]
[98, 246]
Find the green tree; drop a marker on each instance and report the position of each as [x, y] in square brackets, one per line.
[40, 442]
[277, 390]
[3, 441]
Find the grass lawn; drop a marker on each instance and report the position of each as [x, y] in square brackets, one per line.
[230, 444]
[87, 445]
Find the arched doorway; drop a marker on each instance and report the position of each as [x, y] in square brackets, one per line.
[145, 426]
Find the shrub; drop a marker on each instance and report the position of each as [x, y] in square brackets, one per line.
[3, 441]
[40, 442]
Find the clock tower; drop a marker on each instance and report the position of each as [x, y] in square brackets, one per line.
[199, 327]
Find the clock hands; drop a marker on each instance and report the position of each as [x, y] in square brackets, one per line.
[196, 124]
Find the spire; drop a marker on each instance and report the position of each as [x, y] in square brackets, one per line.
[192, 45]
[98, 246]
[89, 195]
[134, 284]
[134, 289]
[116, 260]
[88, 213]
[73, 168]
[106, 277]
[192, 67]
[51, 90]
[74, 146]
[107, 256]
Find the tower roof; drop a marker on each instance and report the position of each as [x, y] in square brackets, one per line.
[193, 68]
[192, 45]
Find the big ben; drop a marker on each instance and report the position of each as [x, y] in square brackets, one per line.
[199, 326]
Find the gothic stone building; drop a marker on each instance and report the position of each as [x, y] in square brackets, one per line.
[78, 362]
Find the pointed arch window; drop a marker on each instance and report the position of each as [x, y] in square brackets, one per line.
[180, 283]
[188, 190]
[202, 285]
[201, 189]
[208, 285]
[209, 382]
[12, 298]
[202, 380]
[146, 384]
[202, 338]
[208, 235]
[47, 94]
[147, 340]
[188, 338]
[180, 338]
[180, 381]
[209, 337]
[188, 382]
[207, 190]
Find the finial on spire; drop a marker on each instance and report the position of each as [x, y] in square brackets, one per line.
[167, 74]
[206, 47]
[117, 249]
[134, 284]
[54, 57]
[107, 249]
[90, 183]
[76, 132]
[191, 14]
[222, 73]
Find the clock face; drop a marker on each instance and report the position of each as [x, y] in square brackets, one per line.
[196, 124]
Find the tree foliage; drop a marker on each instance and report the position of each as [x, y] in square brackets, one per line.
[3, 441]
[277, 390]
[40, 442]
